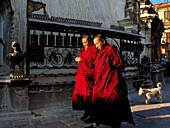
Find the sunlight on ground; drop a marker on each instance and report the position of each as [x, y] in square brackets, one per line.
[159, 116]
[143, 107]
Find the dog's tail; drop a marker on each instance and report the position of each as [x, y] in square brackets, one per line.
[159, 85]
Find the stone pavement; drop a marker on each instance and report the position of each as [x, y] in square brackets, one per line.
[154, 115]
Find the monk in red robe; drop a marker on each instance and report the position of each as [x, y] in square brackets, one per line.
[84, 77]
[109, 96]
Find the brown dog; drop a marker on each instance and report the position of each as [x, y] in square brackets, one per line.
[149, 93]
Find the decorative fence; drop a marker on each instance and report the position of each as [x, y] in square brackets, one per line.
[57, 58]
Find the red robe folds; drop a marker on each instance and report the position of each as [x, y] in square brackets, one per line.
[84, 80]
[109, 97]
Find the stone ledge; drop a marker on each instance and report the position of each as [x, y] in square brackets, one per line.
[7, 115]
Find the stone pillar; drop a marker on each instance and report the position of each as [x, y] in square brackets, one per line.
[19, 95]
[1, 41]
[5, 101]
[1, 52]
[14, 95]
[1, 27]
[155, 77]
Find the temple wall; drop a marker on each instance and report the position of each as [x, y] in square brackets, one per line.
[106, 13]
[96, 10]
[19, 22]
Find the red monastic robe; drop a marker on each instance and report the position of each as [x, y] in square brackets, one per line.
[84, 79]
[109, 96]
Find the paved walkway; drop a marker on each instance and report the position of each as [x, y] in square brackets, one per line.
[154, 115]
